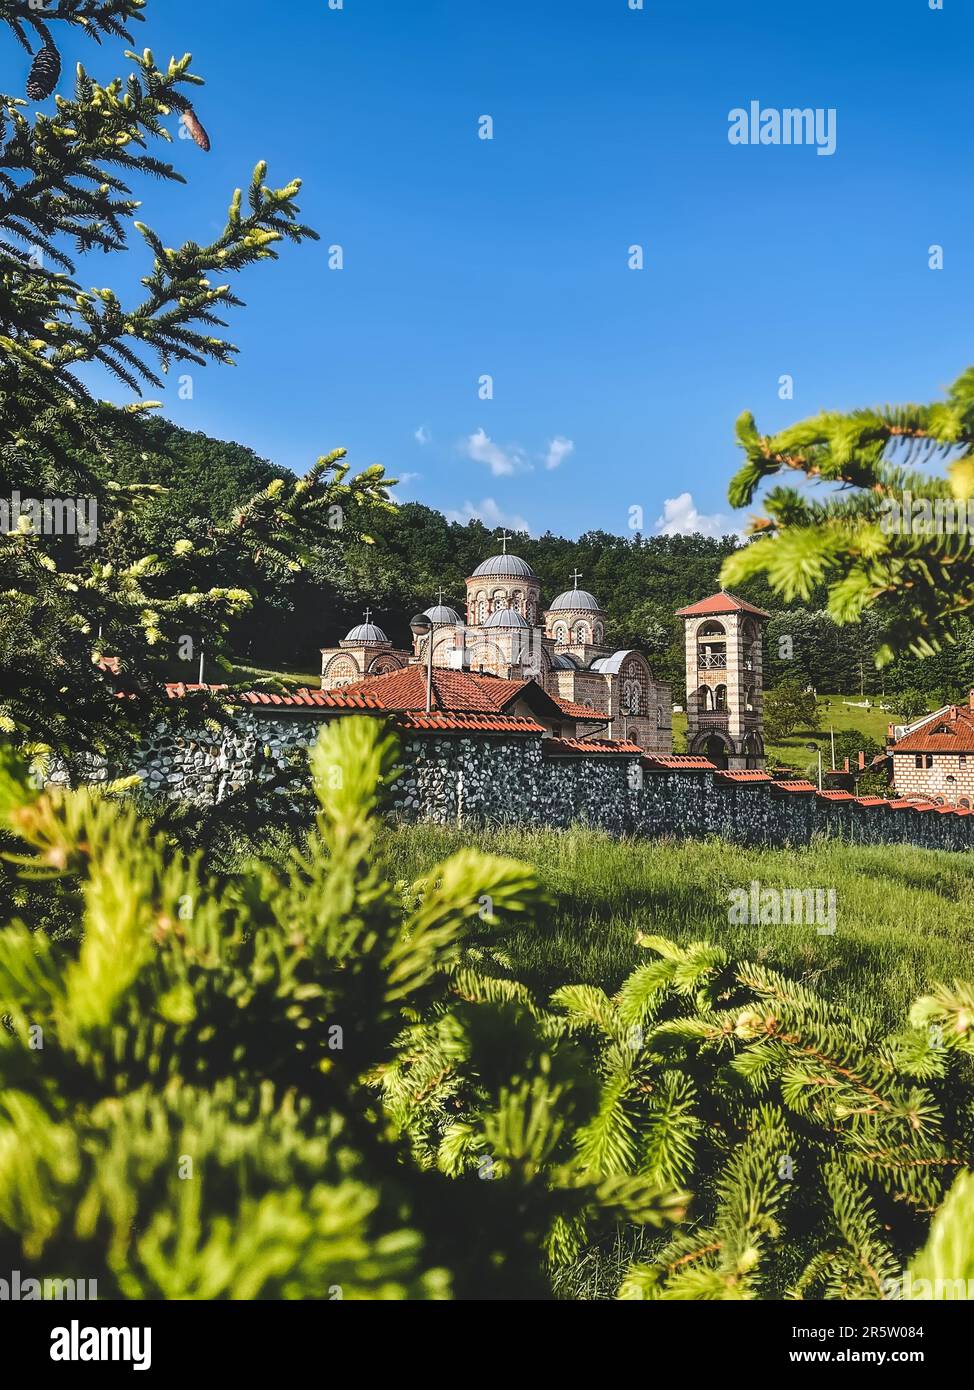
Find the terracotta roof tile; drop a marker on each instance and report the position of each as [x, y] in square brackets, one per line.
[677, 762]
[720, 603]
[577, 711]
[452, 690]
[446, 722]
[750, 774]
[800, 786]
[590, 746]
[298, 699]
[959, 720]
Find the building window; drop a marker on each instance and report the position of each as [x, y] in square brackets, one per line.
[924, 760]
[631, 697]
[962, 760]
[720, 700]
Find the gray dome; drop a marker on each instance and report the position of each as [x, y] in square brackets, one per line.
[575, 598]
[505, 617]
[561, 661]
[366, 632]
[511, 566]
[444, 616]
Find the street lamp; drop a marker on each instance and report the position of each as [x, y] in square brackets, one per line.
[814, 748]
[422, 627]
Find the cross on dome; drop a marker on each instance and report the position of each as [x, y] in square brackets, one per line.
[504, 538]
[576, 576]
[368, 616]
[439, 595]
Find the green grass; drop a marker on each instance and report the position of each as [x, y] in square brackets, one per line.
[905, 917]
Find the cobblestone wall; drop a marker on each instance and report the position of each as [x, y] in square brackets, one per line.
[491, 779]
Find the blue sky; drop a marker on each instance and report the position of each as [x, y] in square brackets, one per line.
[508, 257]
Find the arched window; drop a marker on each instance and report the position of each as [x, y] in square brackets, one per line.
[517, 600]
[749, 698]
[711, 647]
[706, 700]
[498, 600]
[581, 632]
[631, 697]
[599, 634]
[561, 632]
[720, 699]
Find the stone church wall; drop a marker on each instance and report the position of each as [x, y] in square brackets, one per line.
[497, 779]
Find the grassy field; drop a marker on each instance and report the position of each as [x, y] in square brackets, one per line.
[905, 917]
[835, 713]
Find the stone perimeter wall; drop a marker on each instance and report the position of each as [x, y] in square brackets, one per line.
[450, 779]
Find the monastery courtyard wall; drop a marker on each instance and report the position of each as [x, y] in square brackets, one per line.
[519, 780]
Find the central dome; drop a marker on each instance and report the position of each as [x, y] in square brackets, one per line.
[575, 598]
[511, 566]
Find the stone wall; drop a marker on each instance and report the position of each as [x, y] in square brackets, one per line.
[505, 778]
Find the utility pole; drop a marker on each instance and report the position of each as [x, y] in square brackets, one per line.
[832, 736]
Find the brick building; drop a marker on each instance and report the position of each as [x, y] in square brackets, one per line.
[934, 758]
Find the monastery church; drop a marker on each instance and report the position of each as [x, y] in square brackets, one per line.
[511, 656]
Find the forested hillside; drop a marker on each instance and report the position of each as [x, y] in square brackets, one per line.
[640, 580]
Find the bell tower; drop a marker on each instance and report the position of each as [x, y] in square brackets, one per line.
[725, 686]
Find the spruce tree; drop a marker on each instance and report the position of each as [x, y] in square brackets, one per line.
[861, 542]
[69, 158]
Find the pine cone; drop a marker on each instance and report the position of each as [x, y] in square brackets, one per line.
[192, 124]
[44, 73]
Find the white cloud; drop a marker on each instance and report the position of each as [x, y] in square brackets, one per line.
[422, 435]
[405, 479]
[681, 518]
[501, 462]
[559, 449]
[491, 515]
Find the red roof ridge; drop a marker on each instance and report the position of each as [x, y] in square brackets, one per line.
[722, 602]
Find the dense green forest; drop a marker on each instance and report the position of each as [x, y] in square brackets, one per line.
[640, 580]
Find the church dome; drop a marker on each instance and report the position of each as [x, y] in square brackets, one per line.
[443, 616]
[366, 632]
[575, 598]
[508, 566]
[505, 617]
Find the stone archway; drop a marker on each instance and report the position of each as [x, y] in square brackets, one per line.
[715, 747]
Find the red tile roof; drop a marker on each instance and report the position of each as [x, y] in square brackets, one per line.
[836, 796]
[577, 711]
[750, 774]
[799, 786]
[296, 699]
[590, 746]
[678, 762]
[465, 690]
[959, 721]
[452, 690]
[720, 603]
[439, 722]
